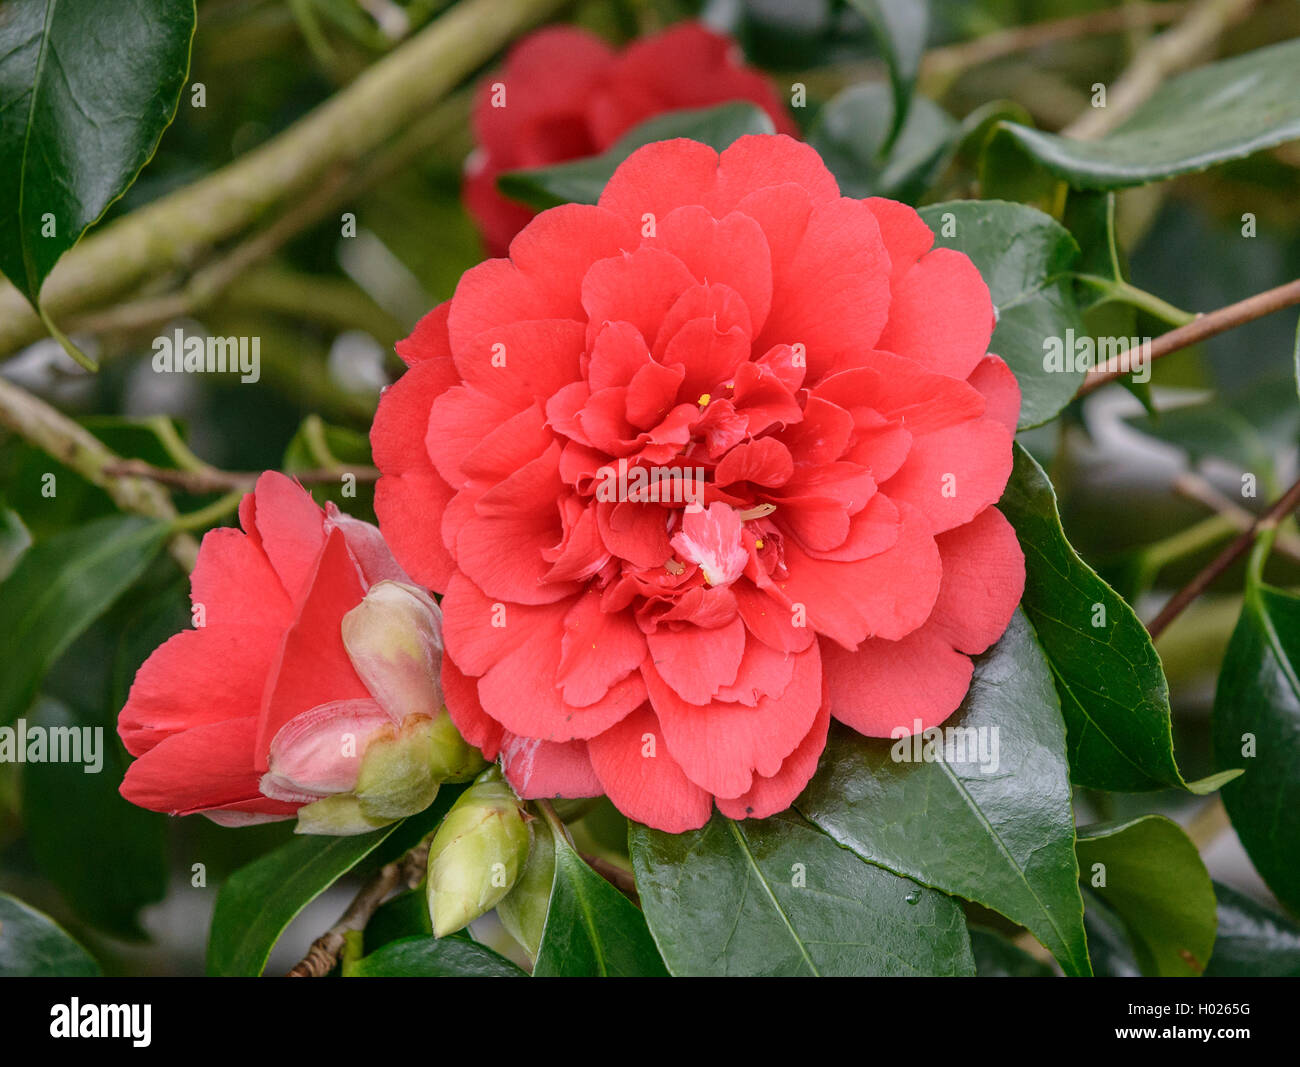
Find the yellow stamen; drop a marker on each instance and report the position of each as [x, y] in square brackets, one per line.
[704, 400]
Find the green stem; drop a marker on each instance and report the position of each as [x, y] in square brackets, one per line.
[1188, 542]
[204, 517]
[1123, 292]
[72, 350]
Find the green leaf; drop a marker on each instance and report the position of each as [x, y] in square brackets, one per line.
[582, 180]
[779, 898]
[1257, 724]
[523, 911]
[1002, 835]
[1254, 941]
[996, 957]
[1151, 876]
[900, 27]
[591, 928]
[32, 945]
[406, 915]
[1219, 112]
[14, 539]
[432, 957]
[73, 138]
[851, 132]
[258, 902]
[108, 857]
[59, 587]
[1113, 691]
[1109, 945]
[1025, 258]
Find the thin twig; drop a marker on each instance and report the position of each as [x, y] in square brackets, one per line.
[1202, 491]
[1283, 507]
[212, 480]
[1155, 61]
[1201, 328]
[947, 62]
[324, 952]
[77, 448]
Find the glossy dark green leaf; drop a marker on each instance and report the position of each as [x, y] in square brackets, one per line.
[432, 957]
[582, 180]
[1257, 726]
[107, 856]
[900, 27]
[59, 587]
[1148, 873]
[1113, 691]
[1109, 946]
[88, 90]
[851, 132]
[1254, 941]
[996, 957]
[32, 945]
[405, 915]
[1222, 111]
[777, 897]
[999, 832]
[592, 930]
[1025, 258]
[258, 902]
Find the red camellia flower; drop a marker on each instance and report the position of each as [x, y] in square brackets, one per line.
[310, 647]
[565, 94]
[698, 469]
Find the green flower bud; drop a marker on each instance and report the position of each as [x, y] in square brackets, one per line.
[477, 854]
[394, 640]
[339, 815]
[396, 777]
[453, 759]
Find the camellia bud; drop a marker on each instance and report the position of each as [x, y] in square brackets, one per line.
[394, 639]
[396, 777]
[477, 854]
[452, 758]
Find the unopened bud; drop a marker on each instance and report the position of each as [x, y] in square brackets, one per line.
[394, 639]
[337, 816]
[396, 777]
[477, 854]
[453, 759]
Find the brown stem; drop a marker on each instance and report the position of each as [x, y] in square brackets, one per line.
[951, 60]
[77, 448]
[1156, 60]
[622, 880]
[1201, 328]
[324, 951]
[212, 480]
[1284, 505]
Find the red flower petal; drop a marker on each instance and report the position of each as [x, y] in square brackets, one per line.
[891, 685]
[643, 780]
